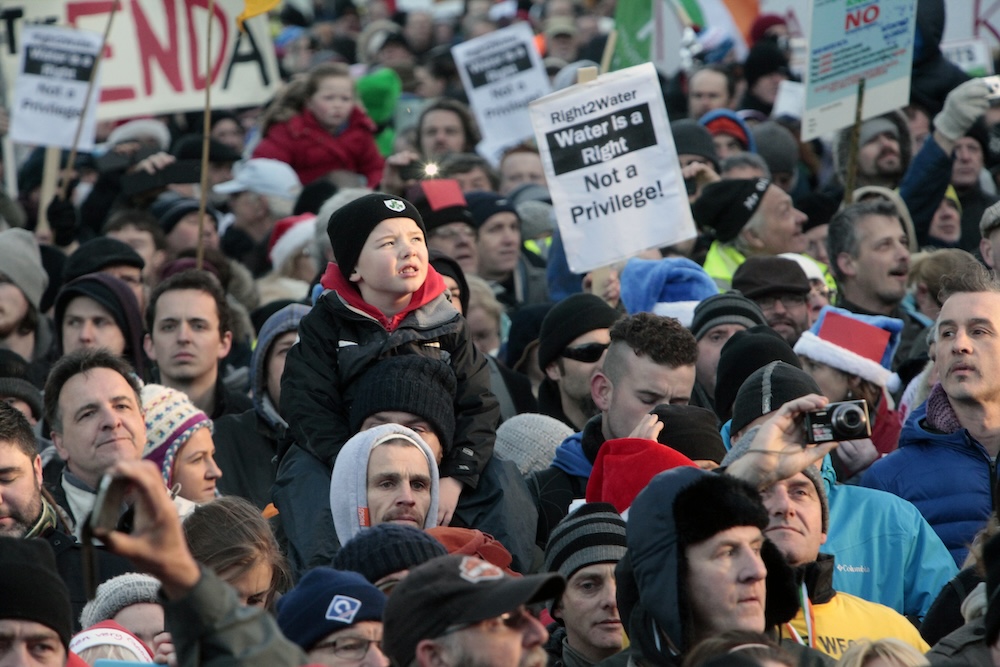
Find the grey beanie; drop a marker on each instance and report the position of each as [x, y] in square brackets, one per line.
[349, 481]
[727, 308]
[594, 533]
[530, 440]
[777, 146]
[21, 263]
[117, 593]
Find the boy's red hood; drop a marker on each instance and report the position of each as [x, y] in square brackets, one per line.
[432, 287]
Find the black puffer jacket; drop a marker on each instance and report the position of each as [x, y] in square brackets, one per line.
[933, 76]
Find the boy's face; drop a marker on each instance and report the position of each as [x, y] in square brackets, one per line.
[392, 264]
[332, 102]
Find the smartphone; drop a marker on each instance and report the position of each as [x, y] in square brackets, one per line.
[110, 500]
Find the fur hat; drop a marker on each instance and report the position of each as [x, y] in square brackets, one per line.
[171, 420]
[117, 593]
[324, 601]
[386, 549]
[21, 264]
[861, 345]
[530, 440]
[671, 287]
[351, 224]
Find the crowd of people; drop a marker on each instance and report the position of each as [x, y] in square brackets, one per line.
[359, 411]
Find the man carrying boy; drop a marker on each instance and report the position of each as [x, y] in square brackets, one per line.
[383, 299]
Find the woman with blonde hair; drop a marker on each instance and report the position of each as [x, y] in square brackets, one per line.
[882, 653]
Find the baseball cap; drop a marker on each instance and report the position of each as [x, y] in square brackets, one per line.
[455, 590]
[263, 176]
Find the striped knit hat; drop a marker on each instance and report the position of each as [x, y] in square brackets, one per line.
[594, 533]
[171, 419]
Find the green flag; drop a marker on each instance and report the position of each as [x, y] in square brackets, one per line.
[633, 21]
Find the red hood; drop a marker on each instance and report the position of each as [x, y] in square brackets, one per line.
[432, 288]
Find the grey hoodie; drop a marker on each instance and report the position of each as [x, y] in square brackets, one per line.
[349, 482]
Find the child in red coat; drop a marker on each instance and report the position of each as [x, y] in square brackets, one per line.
[317, 127]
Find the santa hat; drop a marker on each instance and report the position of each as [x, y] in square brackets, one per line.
[290, 235]
[669, 287]
[861, 345]
[109, 633]
[625, 466]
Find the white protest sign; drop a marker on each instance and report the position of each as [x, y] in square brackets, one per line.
[155, 59]
[50, 91]
[791, 100]
[502, 72]
[972, 55]
[612, 168]
[850, 40]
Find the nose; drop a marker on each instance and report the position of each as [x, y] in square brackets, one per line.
[87, 332]
[960, 342]
[779, 307]
[610, 600]
[213, 471]
[800, 218]
[375, 658]
[183, 332]
[405, 496]
[754, 568]
[777, 502]
[110, 419]
[534, 633]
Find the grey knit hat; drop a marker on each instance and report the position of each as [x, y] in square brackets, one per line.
[530, 440]
[727, 308]
[594, 533]
[21, 264]
[117, 593]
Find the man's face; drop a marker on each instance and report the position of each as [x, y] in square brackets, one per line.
[589, 610]
[989, 248]
[458, 241]
[573, 377]
[920, 127]
[13, 307]
[766, 87]
[185, 341]
[184, 235]
[786, 313]
[411, 421]
[350, 642]
[101, 423]
[643, 385]
[399, 485]
[968, 163]
[968, 347]
[520, 168]
[726, 145]
[726, 582]
[782, 228]
[30, 644]
[143, 244]
[709, 349]
[816, 243]
[707, 91]
[516, 639]
[441, 133]
[474, 179]
[275, 363]
[795, 519]
[195, 468]
[132, 277]
[946, 224]
[880, 157]
[87, 325]
[883, 262]
[20, 491]
[499, 243]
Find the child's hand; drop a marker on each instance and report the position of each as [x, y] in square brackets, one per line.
[163, 647]
[448, 492]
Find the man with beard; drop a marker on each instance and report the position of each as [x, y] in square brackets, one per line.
[870, 258]
[781, 289]
[26, 512]
[571, 346]
[460, 610]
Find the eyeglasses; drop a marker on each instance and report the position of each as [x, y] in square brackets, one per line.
[787, 300]
[349, 648]
[452, 233]
[514, 620]
[587, 354]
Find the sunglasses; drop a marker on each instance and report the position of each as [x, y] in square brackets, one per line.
[514, 620]
[588, 354]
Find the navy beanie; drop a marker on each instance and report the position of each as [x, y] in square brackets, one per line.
[324, 601]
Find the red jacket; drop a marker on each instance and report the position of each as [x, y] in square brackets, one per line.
[313, 152]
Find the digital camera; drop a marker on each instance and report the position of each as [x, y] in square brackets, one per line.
[846, 420]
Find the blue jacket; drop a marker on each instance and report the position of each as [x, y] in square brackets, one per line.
[949, 477]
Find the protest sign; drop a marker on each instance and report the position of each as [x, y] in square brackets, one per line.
[790, 100]
[612, 168]
[50, 89]
[502, 72]
[154, 62]
[972, 55]
[850, 40]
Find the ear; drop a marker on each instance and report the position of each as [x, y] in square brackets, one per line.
[57, 441]
[986, 251]
[147, 346]
[225, 344]
[846, 264]
[355, 276]
[552, 372]
[429, 653]
[556, 612]
[751, 238]
[823, 538]
[601, 390]
[37, 466]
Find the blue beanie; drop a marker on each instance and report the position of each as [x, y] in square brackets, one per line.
[670, 287]
[324, 601]
[484, 205]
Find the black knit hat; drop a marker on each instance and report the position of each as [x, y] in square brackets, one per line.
[726, 308]
[409, 383]
[691, 138]
[594, 533]
[764, 58]
[569, 319]
[14, 382]
[818, 207]
[386, 549]
[726, 206]
[171, 211]
[767, 389]
[484, 205]
[351, 224]
[446, 266]
[32, 588]
[690, 430]
[100, 253]
[767, 274]
[743, 353]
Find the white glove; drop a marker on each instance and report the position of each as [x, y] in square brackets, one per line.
[962, 107]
